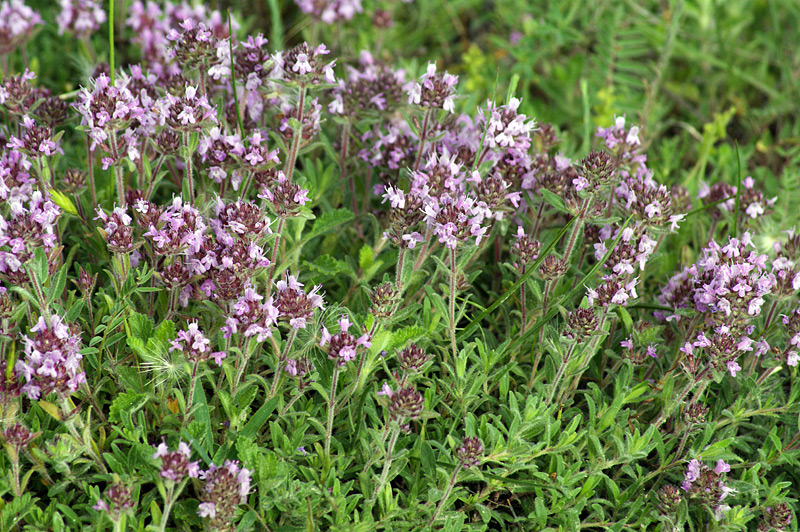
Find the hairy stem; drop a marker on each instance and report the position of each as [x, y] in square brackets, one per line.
[423, 133]
[190, 399]
[387, 463]
[447, 492]
[188, 161]
[453, 275]
[281, 361]
[278, 231]
[297, 135]
[331, 410]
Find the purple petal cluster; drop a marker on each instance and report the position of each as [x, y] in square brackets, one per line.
[52, 361]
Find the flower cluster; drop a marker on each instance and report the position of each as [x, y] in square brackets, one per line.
[330, 11]
[708, 485]
[304, 65]
[294, 304]
[31, 224]
[285, 198]
[252, 316]
[195, 346]
[224, 488]
[17, 24]
[80, 17]
[175, 465]
[342, 347]
[118, 499]
[470, 452]
[373, 87]
[434, 90]
[52, 362]
[117, 230]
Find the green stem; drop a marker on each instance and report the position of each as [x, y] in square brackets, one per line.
[331, 410]
[522, 304]
[278, 231]
[15, 476]
[453, 275]
[398, 282]
[279, 369]
[387, 463]
[297, 135]
[120, 178]
[111, 40]
[560, 373]
[422, 138]
[190, 399]
[169, 500]
[446, 495]
[188, 161]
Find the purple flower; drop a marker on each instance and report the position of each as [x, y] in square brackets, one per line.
[342, 346]
[434, 90]
[294, 304]
[17, 24]
[721, 467]
[224, 488]
[52, 360]
[81, 17]
[195, 346]
[175, 465]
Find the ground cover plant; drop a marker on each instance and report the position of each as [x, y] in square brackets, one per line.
[268, 277]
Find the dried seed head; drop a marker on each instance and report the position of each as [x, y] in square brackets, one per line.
[777, 518]
[695, 414]
[383, 297]
[581, 324]
[406, 404]
[470, 452]
[669, 497]
[597, 168]
[412, 358]
[552, 268]
[18, 436]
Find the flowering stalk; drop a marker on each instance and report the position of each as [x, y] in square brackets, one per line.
[453, 274]
[577, 228]
[447, 492]
[560, 373]
[399, 277]
[273, 260]
[90, 168]
[423, 133]
[387, 463]
[331, 410]
[522, 303]
[298, 135]
[117, 168]
[343, 170]
[169, 500]
[188, 161]
[281, 361]
[241, 367]
[190, 399]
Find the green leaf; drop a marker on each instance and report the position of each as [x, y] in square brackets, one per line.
[553, 200]
[258, 419]
[328, 221]
[328, 266]
[125, 405]
[365, 257]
